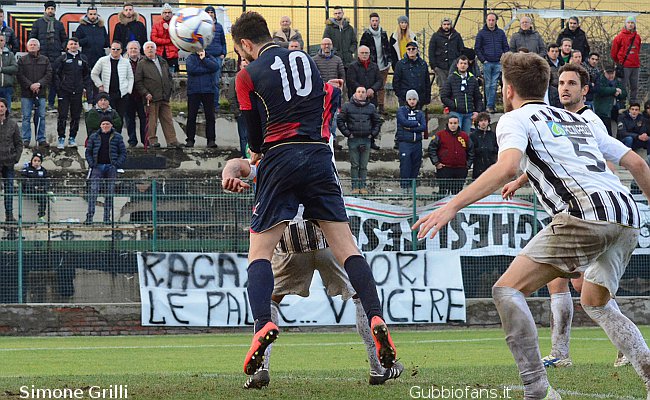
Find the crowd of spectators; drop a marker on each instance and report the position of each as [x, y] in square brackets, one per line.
[130, 79]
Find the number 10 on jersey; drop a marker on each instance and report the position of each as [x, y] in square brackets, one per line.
[301, 84]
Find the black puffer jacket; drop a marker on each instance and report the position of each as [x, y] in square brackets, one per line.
[444, 48]
[358, 119]
[52, 43]
[412, 74]
[462, 97]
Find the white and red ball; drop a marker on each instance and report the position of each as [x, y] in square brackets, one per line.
[191, 29]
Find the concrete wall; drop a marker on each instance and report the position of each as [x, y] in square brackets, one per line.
[124, 319]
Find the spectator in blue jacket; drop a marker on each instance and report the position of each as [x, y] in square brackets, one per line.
[217, 49]
[411, 126]
[412, 72]
[105, 154]
[490, 44]
[200, 81]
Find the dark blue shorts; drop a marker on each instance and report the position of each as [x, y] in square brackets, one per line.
[291, 174]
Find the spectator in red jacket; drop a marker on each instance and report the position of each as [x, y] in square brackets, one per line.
[451, 152]
[160, 36]
[625, 51]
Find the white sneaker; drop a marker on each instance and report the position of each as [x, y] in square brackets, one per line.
[61, 144]
[621, 360]
[552, 361]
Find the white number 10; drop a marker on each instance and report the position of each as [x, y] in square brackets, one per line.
[303, 89]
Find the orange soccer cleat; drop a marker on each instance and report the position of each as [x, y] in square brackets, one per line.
[383, 342]
[262, 339]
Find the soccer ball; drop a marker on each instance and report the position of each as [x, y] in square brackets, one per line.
[191, 29]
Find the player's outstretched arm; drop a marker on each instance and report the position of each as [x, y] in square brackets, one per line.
[489, 182]
[639, 170]
[232, 173]
[509, 189]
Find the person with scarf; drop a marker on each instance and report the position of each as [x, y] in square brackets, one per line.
[287, 34]
[52, 36]
[376, 38]
[343, 35]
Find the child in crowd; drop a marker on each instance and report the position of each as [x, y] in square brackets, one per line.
[411, 127]
[36, 183]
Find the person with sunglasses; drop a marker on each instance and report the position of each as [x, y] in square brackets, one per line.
[412, 72]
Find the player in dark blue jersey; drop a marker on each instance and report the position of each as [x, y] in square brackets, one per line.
[288, 109]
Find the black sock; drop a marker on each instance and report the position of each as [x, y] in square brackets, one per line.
[363, 283]
[260, 289]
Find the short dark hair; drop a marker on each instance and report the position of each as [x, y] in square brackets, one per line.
[575, 51]
[575, 19]
[492, 13]
[2, 11]
[463, 57]
[566, 39]
[252, 26]
[91, 8]
[578, 69]
[373, 15]
[552, 46]
[646, 105]
[74, 39]
[127, 5]
[593, 53]
[634, 104]
[483, 116]
[338, 7]
[118, 42]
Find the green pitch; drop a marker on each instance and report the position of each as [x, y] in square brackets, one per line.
[303, 366]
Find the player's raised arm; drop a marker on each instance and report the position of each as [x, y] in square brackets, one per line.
[639, 170]
[232, 173]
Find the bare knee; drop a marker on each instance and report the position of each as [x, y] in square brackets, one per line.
[558, 285]
[593, 295]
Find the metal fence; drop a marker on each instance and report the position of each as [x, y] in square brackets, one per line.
[60, 258]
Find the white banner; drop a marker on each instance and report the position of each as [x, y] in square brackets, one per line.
[197, 289]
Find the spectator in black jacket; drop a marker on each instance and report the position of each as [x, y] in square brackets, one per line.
[461, 94]
[554, 61]
[52, 38]
[376, 38]
[93, 40]
[36, 183]
[359, 121]
[129, 27]
[12, 39]
[34, 75]
[72, 74]
[411, 72]
[445, 46]
[633, 128]
[364, 72]
[577, 35]
[485, 145]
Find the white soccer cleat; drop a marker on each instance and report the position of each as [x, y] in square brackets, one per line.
[552, 361]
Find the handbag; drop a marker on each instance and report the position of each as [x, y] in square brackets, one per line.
[619, 69]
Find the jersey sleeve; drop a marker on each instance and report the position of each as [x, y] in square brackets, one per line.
[244, 88]
[613, 150]
[511, 134]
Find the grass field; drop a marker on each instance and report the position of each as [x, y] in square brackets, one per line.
[303, 366]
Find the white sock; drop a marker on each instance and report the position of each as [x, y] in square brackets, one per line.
[521, 336]
[363, 328]
[614, 304]
[562, 312]
[276, 320]
[625, 336]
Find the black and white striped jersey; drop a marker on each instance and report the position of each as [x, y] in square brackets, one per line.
[301, 236]
[564, 159]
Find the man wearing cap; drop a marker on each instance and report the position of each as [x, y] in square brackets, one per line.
[527, 38]
[102, 109]
[625, 51]
[445, 46]
[129, 28]
[11, 149]
[52, 37]
[376, 39]
[105, 154]
[343, 35]
[491, 43]
[609, 92]
[160, 36]
[34, 75]
[411, 72]
[217, 49]
[93, 40]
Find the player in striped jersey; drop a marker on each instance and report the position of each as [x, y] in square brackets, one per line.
[595, 223]
[301, 251]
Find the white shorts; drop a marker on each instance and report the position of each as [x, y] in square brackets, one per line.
[601, 249]
[293, 273]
